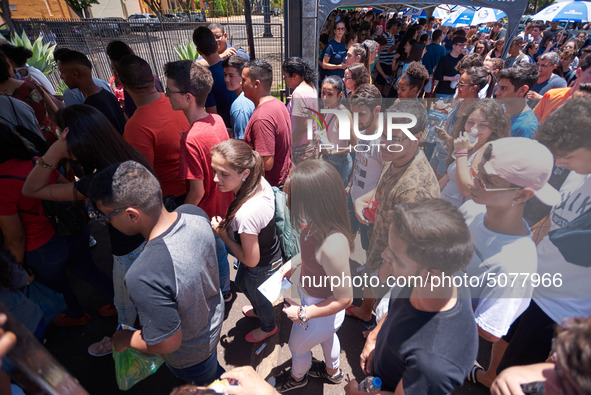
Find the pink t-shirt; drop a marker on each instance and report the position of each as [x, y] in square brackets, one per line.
[195, 162]
[269, 133]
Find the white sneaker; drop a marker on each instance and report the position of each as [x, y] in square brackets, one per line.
[101, 348]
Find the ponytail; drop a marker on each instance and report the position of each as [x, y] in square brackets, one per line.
[240, 157]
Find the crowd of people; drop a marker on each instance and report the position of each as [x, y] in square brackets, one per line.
[491, 182]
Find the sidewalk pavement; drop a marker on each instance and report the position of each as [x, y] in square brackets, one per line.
[97, 375]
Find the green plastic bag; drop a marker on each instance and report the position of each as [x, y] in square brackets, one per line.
[132, 366]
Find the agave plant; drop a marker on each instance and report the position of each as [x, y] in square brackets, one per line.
[42, 58]
[61, 88]
[187, 51]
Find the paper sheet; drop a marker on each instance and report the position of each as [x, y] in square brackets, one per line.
[274, 287]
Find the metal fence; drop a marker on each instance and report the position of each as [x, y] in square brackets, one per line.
[155, 42]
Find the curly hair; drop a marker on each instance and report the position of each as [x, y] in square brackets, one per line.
[498, 121]
[472, 60]
[567, 128]
[415, 75]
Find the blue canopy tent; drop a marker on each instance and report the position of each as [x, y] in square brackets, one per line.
[315, 12]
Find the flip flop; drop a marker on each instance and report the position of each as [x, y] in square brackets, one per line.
[250, 337]
[473, 374]
[350, 313]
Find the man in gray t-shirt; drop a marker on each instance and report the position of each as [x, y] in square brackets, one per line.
[174, 283]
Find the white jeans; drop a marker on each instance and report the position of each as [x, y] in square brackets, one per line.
[126, 311]
[321, 331]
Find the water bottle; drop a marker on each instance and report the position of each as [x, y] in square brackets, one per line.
[370, 384]
[453, 84]
[472, 135]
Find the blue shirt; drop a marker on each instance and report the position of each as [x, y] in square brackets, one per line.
[240, 113]
[337, 53]
[220, 96]
[433, 55]
[74, 96]
[524, 124]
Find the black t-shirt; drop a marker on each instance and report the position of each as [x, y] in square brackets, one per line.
[121, 244]
[446, 68]
[106, 103]
[431, 352]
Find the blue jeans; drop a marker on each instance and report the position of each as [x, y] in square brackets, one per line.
[126, 310]
[247, 281]
[358, 226]
[202, 373]
[343, 163]
[223, 265]
[50, 261]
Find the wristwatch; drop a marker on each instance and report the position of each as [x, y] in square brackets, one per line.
[42, 163]
[302, 314]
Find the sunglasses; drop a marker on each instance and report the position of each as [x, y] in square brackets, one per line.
[167, 92]
[486, 157]
[104, 218]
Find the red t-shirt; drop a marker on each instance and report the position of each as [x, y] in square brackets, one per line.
[195, 162]
[38, 229]
[269, 133]
[155, 130]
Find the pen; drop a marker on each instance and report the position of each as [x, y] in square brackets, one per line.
[348, 378]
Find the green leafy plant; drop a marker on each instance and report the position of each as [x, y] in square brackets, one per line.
[187, 51]
[42, 58]
[61, 88]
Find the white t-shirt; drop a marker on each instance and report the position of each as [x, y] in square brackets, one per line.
[303, 96]
[255, 213]
[41, 79]
[451, 192]
[496, 257]
[368, 167]
[573, 297]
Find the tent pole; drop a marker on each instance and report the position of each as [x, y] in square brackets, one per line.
[562, 32]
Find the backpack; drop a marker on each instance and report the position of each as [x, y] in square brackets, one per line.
[288, 238]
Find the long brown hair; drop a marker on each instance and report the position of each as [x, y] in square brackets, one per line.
[240, 157]
[317, 196]
[494, 113]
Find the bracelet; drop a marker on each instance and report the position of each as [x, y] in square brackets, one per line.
[44, 164]
[460, 153]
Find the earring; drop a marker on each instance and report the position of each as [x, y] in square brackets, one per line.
[514, 203]
[243, 179]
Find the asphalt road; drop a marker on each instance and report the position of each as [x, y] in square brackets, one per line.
[97, 375]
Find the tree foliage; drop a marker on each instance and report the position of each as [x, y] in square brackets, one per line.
[5, 14]
[534, 6]
[79, 6]
[155, 6]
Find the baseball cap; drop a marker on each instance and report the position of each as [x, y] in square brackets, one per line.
[523, 162]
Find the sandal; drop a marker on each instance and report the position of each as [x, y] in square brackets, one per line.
[473, 374]
[250, 337]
